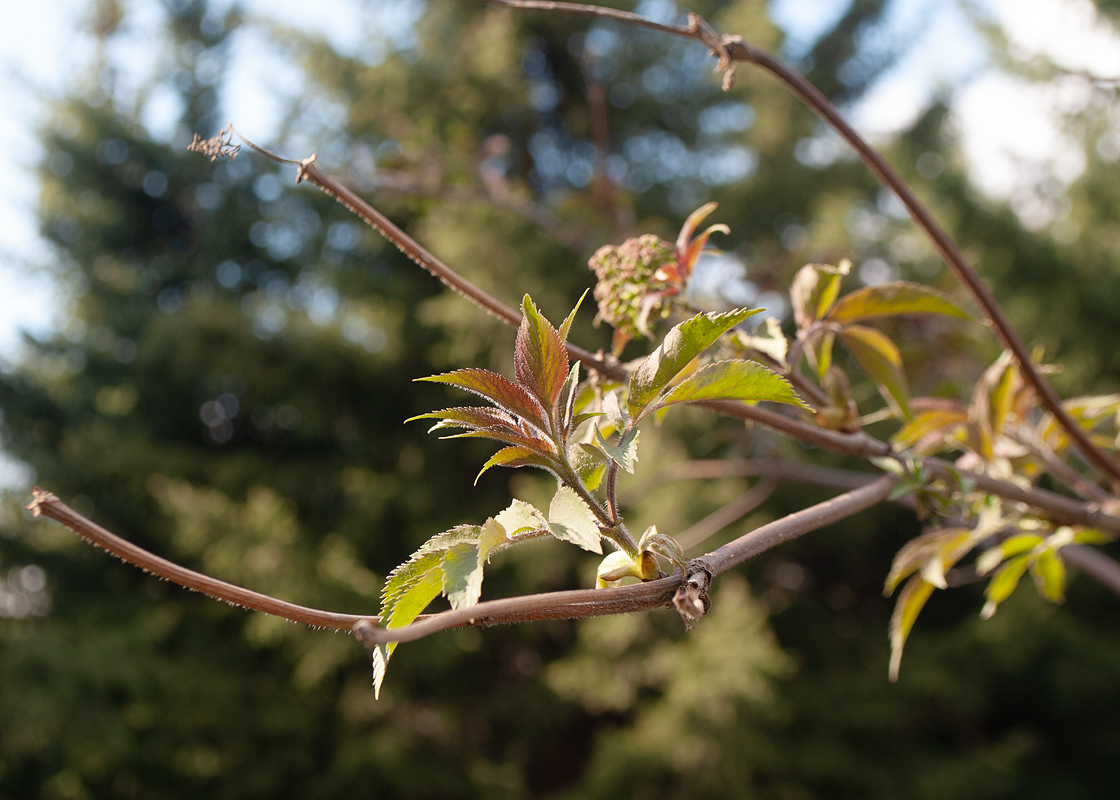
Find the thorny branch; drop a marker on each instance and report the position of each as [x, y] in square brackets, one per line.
[729, 49]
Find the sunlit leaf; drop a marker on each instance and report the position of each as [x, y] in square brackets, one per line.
[823, 353]
[942, 545]
[539, 357]
[1049, 575]
[462, 575]
[568, 399]
[498, 389]
[1003, 583]
[893, 298]
[944, 419]
[474, 417]
[665, 546]
[910, 602]
[814, 290]
[521, 516]
[681, 344]
[767, 338]
[516, 456]
[625, 453]
[570, 519]
[879, 358]
[1006, 549]
[1093, 536]
[590, 463]
[734, 380]
[615, 567]
[566, 325]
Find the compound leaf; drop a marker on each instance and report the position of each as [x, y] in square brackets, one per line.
[681, 344]
[498, 389]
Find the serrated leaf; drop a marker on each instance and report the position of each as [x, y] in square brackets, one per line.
[515, 456]
[681, 344]
[1003, 583]
[591, 463]
[521, 516]
[1049, 575]
[540, 359]
[625, 453]
[508, 436]
[498, 389]
[462, 575]
[472, 417]
[571, 520]
[414, 584]
[888, 299]
[911, 600]
[493, 534]
[879, 358]
[734, 380]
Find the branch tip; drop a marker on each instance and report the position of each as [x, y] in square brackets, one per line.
[39, 498]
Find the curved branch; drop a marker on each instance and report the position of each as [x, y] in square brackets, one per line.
[732, 49]
[48, 505]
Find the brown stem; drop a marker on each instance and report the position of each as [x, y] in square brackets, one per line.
[733, 48]
[653, 594]
[48, 505]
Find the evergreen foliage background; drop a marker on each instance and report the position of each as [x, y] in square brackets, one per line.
[229, 390]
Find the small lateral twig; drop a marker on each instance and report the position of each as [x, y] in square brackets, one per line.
[731, 49]
[730, 512]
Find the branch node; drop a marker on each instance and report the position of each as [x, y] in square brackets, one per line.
[691, 598]
[366, 633]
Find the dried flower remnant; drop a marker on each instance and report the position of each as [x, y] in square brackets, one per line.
[639, 279]
[220, 146]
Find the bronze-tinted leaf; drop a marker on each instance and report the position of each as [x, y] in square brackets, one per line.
[540, 358]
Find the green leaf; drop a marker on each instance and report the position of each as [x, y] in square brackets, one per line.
[1093, 536]
[625, 453]
[1049, 575]
[571, 520]
[814, 290]
[767, 338]
[824, 354]
[462, 575]
[1003, 583]
[521, 516]
[567, 324]
[944, 545]
[734, 380]
[516, 456]
[540, 359]
[910, 602]
[681, 344]
[879, 358]
[887, 299]
[1009, 547]
[449, 562]
[498, 389]
[590, 463]
[493, 534]
[579, 419]
[928, 422]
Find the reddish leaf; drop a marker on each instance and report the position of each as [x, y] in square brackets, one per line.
[540, 358]
[516, 457]
[499, 390]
